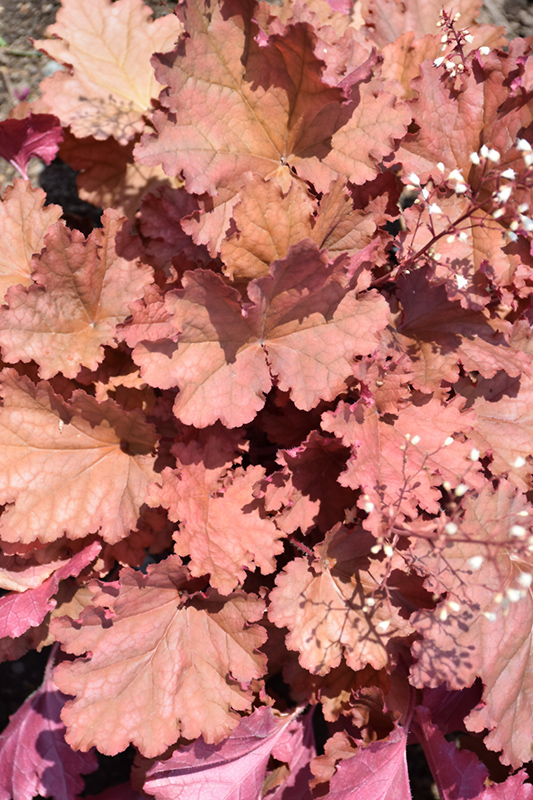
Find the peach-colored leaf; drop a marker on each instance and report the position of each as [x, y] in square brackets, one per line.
[300, 328]
[323, 605]
[268, 222]
[108, 47]
[159, 665]
[69, 468]
[221, 530]
[24, 221]
[399, 463]
[482, 626]
[82, 291]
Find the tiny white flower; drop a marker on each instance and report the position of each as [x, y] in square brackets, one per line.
[444, 37]
[375, 549]
[451, 238]
[461, 490]
[438, 61]
[474, 158]
[509, 174]
[383, 625]
[484, 50]
[523, 145]
[528, 159]
[525, 579]
[511, 236]
[498, 213]
[469, 38]
[460, 188]
[415, 439]
[370, 601]
[493, 155]
[504, 194]
[447, 442]
[518, 530]
[514, 595]
[474, 454]
[425, 193]
[523, 513]
[514, 225]
[484, 151]
[447, 485]
[443, 615]
[519, 461]
[369, 507]
[440, 166]
[456, 607]
[455, 175]
[463, 236]
[388, 550]
[434, 209]
[436, 256]
[451, 528]
[522, 208]
[413, 179]
[527, 223]
[490, 615]
[476, 562]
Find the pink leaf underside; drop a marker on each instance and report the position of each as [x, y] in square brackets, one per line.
[199, 691]
[229, 353]
[37, 135]
[235, 768]
[20, 611]
[376, 772]
[50, 447]
[34, 756]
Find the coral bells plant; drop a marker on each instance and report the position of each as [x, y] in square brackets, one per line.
[266, 434]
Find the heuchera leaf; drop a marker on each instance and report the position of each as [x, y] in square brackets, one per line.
[24, 221]
[160, 666]
[234, 769]
[458, 773]
[323, 606]
[49, 450]
[442, 335]
[108, 47]
[18, 612]
[483, 627]
[384, 461]
[376, 772]
[82, 291]
[300, 328]
[34, 756]
[210, 506]
[306, 492]
[36, 135]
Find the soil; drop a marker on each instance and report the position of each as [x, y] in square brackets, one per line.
[21, 71]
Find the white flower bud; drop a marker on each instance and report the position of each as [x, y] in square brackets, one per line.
[461, 490]
[434, 209]
[451, 528]
[509, 174]
[484, 51]
[474, 158]
[476, 562]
